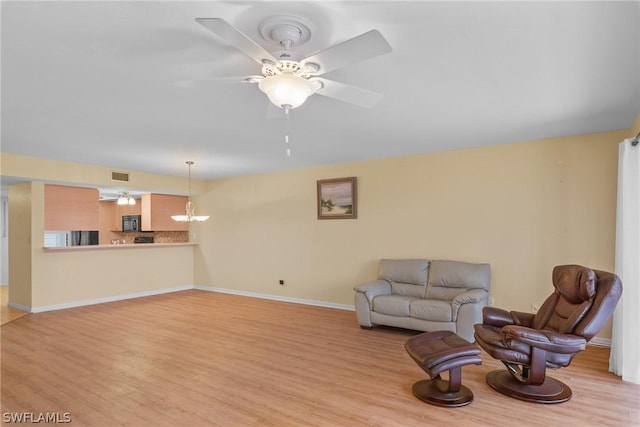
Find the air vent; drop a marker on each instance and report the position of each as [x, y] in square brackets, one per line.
[119, 176]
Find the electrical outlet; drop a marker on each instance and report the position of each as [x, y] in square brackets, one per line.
[491, 301]
[281, 282]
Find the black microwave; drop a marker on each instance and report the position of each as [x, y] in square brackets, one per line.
[131, 223]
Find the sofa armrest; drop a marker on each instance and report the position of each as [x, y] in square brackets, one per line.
[472, 296]
[373, 289]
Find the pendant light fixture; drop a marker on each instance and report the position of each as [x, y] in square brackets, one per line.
[126, 199]
[189, 207]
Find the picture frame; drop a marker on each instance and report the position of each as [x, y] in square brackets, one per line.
[337, 198]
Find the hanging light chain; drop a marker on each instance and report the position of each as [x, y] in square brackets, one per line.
[287, 129]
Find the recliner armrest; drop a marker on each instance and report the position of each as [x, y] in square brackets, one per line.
[494, 316]
[521, 318]
[546, 340]
[373, 289]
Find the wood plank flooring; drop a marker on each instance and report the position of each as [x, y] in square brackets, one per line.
[197, 358]
[7, 314]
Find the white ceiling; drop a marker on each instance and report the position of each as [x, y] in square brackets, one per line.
[95, 82]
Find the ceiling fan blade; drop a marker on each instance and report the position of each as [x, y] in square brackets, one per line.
[347, 93]
[237, 38]
[218, 80]
[364, 46]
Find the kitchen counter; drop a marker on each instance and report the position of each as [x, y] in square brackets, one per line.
[115, 247]
[82, 275]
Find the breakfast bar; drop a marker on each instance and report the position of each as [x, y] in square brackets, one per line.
[115, 247]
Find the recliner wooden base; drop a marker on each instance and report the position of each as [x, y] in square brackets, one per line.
[550, 391]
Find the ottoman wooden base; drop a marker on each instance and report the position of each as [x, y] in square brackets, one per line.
[440, 351]
[430, 391]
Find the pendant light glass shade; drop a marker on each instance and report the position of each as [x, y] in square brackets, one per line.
[126, 199]
[189, 207]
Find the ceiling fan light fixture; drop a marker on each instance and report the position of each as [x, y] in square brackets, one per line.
[287, 89]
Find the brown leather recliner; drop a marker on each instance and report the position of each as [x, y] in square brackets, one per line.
[528, 344]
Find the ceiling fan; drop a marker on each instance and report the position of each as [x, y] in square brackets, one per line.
[288, 80]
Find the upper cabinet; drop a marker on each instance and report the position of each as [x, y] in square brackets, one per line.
[157, 210]
[79, 208]
[71, 208]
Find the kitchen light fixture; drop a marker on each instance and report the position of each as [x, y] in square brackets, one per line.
[189, 207]
[126, 199]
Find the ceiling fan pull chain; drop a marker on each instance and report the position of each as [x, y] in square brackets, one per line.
[286, 129]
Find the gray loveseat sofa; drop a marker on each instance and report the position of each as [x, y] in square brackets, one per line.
[425, 295]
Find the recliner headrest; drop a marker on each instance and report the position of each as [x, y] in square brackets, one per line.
[574, 282]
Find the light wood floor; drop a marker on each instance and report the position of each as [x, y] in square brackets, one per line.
[197, 358]
[7, 314]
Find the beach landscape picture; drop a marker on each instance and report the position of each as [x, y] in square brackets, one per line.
[337, 198]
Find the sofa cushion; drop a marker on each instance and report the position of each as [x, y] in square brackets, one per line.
[393, 305]
[408, 290]
[447, 279]
[413, 271]
[434, 310]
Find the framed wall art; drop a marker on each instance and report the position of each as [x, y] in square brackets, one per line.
[337, 198]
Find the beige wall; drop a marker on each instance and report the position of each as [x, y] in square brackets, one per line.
[40, 279]
[635, 129]
[20, 243]
[522, 207]
[82, 276]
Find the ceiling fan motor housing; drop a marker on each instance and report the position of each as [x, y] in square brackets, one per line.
[285, 30]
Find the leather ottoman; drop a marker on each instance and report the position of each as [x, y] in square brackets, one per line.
[440, 351]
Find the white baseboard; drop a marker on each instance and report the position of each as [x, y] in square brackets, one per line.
[19, 307]
[277, 298]
[596, 341]
[107, 299]
[600, 342]
[181, 288]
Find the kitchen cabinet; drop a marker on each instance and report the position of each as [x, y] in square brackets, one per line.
[71, 208]
[118, 211]
[157, 210]
[105, 222]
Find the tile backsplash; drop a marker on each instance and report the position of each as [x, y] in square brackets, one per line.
[158, 236]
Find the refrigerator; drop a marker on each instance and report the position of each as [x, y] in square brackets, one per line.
[83, 238]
